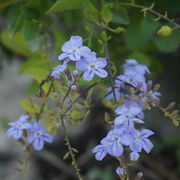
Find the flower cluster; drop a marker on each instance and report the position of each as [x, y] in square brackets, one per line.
[84, 59]
[33, 132]
[133, 88]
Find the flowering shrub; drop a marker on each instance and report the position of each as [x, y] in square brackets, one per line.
[64, 90]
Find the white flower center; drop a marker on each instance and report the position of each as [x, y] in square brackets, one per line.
[19, 126]
[115, 138]
[74, 50]
[37, 133]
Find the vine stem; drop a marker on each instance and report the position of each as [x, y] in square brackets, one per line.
[43, 104]
[68, 144]
[109, 69]
[153, 12]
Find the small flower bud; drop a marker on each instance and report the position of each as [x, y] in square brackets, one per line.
[156, 87]
[172, 104]
[149, 85]
[140, 174]
[165, 31]
[120, 171]
[75, 73]
[74, 87]
[134, 156]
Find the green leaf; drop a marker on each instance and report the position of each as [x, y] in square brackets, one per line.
[34, 4]
[33, 88]
[14, 18]
[29, 106]
[32, 35]
[140, 34]
[106, 12]
[59, 38]
[90, 11]
[140, 57]
[18, 45]
[168, 44]
[120, 15]
[36, 68]
[63, 5]
[118, 30]
[6, 3]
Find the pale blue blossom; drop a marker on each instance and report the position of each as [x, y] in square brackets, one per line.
[91, 65]
[73, 49]
[37, 135]
[120, 171]
[17, 127]
[141, 141]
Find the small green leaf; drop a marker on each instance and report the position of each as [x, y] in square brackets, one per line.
[66, 156]
[90, 11]
[6, 3]
[118, 30]
[63, 5]
[32, 35]
[106, 12]
[18, 45]
[14, 18]
[120, 15]
[76, 115]
[137, 36]
[36, 68]
[29, 106]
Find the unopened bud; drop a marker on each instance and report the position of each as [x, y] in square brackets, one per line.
[75, 73]
[165, 31]
[140, 174]
[73, 87]
[156, 87]
[149, 85]
[172, 104]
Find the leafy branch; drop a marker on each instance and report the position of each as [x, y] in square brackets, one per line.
[151, 10]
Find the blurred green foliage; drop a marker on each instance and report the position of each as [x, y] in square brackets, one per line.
[34, 30]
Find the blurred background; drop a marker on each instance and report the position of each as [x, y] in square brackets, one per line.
[31, 34]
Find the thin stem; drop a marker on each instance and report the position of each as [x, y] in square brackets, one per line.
[70, 149]
[43, 104]
[153, 12]
[71, 105]
[65, 130]
[109, 70]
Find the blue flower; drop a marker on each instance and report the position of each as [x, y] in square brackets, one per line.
[115, 140]
[141, 141]
[132, 65]
[58, 69]
[18, 127]
[37, 135]
[111, 95]
[73, 49]
[154, 95]
[118, 89]
[100, 150]
[134, 79]
[134, 156]
[91, 65]
[127, 115]
[120, 171]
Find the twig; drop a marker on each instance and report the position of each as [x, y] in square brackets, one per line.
[43, 104]
[70, 149]
[153, 12]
